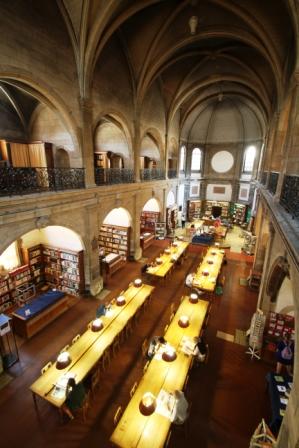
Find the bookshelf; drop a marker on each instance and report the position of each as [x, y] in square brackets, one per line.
[225, 208]
[193, 210]
[19, 279]
[100, 160]
[5, 299]
[64, 269]
[239, 213]
[33, 256]
[114, 239]
[148, 221]
[160, 230]
[171, 218]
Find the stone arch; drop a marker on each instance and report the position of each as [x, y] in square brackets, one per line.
[45, 94]
[278, 272]
[152, 146]
[116, 119]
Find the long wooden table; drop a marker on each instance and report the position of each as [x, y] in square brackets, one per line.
[86, 352]
[135, 430]
[161, 270]
[208, 282]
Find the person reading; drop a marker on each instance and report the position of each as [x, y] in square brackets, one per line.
[154, 346]
[75, 397]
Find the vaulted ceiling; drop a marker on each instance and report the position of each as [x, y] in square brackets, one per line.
[238, 55]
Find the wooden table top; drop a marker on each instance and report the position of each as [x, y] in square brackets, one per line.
[162, 269]
[89, 348]
[208, 282]
[135, 430]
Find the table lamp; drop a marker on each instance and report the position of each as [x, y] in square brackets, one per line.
[193, 298]
[97, 325]
[63, 360]
[169, 354]
[183, 321]
[147, 404]
[137, 282]
[121, 300]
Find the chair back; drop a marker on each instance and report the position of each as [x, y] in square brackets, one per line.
[144, 347]
[133, 389]
[117, 415]
[75, 339]
[46, 367]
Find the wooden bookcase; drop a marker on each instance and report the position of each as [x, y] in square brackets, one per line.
[239, 213]
[19, 278]
[148, 221]
[171, 218]
[64, 269]
[225, 206]
[114, 239]
[5, 299]
[33, 256]
[193, 210]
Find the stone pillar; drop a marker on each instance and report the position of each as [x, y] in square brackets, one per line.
[263, 299]
[87, 142]
[166, 156]
[136, 149]
[94, 280]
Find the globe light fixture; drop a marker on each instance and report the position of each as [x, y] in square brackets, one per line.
[147, 404]
[97, 325]
[63, 360]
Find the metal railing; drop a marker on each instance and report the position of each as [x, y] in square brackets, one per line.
[289, 197]
[110, 176]
[152, 174]
[20, 181]
[172, 174]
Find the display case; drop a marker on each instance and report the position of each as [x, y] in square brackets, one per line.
[112, 263]
[114, 239]
[146, 239]
[160, 230]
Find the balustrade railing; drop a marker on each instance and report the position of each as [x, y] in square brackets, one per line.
[264, 177]
[20, 181]
[110, 176]
[289, 197]
[272, 182]
[152, 174]
[172, 174]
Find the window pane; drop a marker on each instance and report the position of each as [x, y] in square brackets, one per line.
[10, 257]
[196, 159]
[249, 159]
[182, 158]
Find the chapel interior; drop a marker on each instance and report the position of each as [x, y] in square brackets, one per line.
[142, 141]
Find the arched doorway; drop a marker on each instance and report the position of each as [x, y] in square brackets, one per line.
[114, 240]
[171, 213]
[50, 257]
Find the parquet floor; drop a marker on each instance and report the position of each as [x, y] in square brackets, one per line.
[228, 394]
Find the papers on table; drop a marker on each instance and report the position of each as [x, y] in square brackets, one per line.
[278, 378]
[281, 412]
[187, 345]
[281, 388]
[60, 388]
[166, 404]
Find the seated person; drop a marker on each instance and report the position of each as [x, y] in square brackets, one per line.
[285, 354]
[189, 279]
[154, 346]
[181, 408]
[201, 349]
[101, 310]
[75, 397]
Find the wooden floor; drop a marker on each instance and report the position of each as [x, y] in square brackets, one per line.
[228, 394]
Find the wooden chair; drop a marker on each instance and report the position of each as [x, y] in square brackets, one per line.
[172, 308]
[133, 389]
[117, 415]
[166, 444]
[64, 349]
[46, 367]
[144, 347]
[89, 325]
[95, 381]
[86, 405]
[171, 317]
[146, 367]
[75, 339]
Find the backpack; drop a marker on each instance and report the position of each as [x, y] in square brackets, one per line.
[287, 353]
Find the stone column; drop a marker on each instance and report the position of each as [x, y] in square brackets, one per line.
[136, 148]
[93, 277]
[263, 299]
[87, 142]
[166, 156]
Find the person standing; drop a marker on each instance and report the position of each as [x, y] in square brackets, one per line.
[285, 354]
[183, 220]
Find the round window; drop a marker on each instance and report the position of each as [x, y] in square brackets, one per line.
[222, 161]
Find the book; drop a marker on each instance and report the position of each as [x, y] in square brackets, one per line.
[278, 378]
[281, 388]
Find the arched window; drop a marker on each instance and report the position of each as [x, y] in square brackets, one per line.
[196, 160]
[182, 158]
[249, 158]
